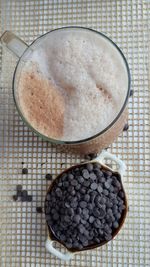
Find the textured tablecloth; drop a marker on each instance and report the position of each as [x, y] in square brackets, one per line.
[22, 230]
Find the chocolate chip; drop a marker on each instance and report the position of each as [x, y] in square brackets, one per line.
[76, 218]
[90, 156]
[19, 187]
[80, 179]
[83, 204]
[60, 184]
[102, 213]
[74, 182]
[83, 240]
[48, 197]
[48, 177]
[83, 190]
[109, 204]
[102, 179]
[98, 222]
[121, 194]
[87, 198]
[24, 171]
[81, 228]
[96, 212]
[29, 198]
[106, 192]
[15, 198]
[70, 176]
[107, 185]
[85, 213]
[85, 173]
[77, 187]
[91, 219]
[56, 216]
[39, 209]
[47, 209]
[58, 192]
[66, 183]
[79, 210]
[126, 127]
[93, 186]
[68, 245]
[118, 215]
[74, 204]
[48, 217]
[111, 188]
[108, 237]
[24, 193]
[92, 176]
[115, 224]
[89, 167]
[86, 183]
[93, 196]
[131, 93]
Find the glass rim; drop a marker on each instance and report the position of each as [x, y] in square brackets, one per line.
[57, 141]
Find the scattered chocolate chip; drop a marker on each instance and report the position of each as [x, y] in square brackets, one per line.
[19, 187]
[24, 193]
[126, 127]
[24, 199]
[24, 171]
[29, 198]
[131, 92]
[39, 209]
[48, 177]
[15, 198]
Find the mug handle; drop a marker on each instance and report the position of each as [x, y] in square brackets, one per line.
[107, 155]
[54, 251]
[13, 43]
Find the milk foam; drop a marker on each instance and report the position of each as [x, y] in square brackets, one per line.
[80, 81]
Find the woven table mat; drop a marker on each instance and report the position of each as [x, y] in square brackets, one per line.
[22, 229]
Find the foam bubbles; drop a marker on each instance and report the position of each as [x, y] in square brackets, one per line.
[87, 74]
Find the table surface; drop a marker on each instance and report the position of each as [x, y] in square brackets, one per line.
[22, 230]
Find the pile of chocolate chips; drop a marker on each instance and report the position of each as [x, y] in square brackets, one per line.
[85, 205]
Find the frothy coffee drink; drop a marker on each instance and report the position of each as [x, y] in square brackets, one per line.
[73, 84]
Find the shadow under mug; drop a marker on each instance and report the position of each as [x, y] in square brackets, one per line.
[120, 172]
[89, 145]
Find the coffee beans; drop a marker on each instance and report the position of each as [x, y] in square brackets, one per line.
[85, 206]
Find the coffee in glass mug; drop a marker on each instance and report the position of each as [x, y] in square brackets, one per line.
[71, 87]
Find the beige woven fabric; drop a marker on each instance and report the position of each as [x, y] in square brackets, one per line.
[22, 230]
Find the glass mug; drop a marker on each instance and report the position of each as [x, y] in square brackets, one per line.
[94, 143]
